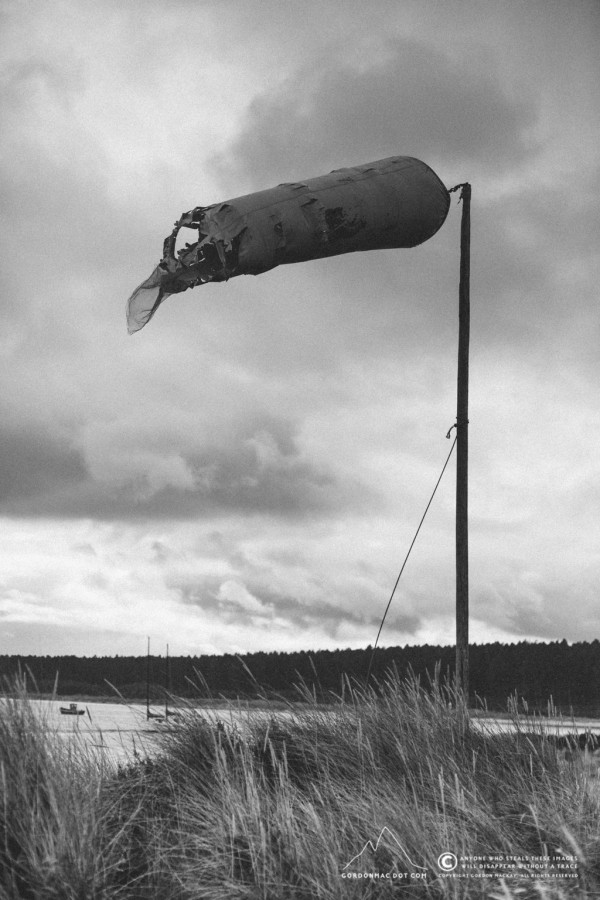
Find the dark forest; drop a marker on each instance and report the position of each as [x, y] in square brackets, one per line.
[569, 675]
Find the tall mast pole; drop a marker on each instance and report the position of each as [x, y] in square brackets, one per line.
[462, 450]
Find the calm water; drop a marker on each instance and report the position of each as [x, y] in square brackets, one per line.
[117, 731]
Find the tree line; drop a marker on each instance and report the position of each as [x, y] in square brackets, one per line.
[569, 674]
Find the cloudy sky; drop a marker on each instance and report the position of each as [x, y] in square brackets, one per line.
[248, 471]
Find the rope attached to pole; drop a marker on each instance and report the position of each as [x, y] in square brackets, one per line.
[456, 425]
[408, 554]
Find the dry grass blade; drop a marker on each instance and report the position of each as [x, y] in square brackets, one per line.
[287, 805]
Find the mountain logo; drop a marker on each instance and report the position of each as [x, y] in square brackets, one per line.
[385, 853]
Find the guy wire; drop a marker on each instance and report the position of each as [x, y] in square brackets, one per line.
[406, 560]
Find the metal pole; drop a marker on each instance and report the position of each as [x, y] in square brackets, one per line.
[462, 451]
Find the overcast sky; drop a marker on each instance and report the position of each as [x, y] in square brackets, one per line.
[248, 471]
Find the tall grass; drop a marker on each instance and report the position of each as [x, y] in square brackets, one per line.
[280, 807]
[49, 796]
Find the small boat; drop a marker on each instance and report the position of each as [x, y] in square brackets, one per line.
[71, 710]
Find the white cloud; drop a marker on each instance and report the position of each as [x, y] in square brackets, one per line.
[270, 444]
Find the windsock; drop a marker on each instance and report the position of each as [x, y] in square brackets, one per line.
[387, 204]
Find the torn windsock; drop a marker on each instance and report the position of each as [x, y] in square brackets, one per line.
[394, 202]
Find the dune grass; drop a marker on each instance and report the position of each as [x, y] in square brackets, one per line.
[279, 807]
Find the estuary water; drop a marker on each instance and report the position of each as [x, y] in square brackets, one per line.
[118, 732]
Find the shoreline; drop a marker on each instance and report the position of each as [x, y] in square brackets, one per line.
[176, 702]
[264, 704]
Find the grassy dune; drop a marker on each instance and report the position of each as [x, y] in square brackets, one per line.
[281, 810]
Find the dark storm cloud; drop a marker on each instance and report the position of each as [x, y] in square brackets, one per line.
[329, 616]
[62, 220]
[33, 466]
[295, 416]
[531, 262]
[455, 114]
[418, 102]
[547, 615]
[262, 470]
[302, 614]
[252, 593]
